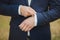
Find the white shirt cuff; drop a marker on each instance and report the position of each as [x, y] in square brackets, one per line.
[35, 20]
[19, 12]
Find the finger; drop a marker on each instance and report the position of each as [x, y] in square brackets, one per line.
[32, 10]
[25, 26]
[27, 13]
[21, 25]
[30, 28]
[27, 29]
[30, 13]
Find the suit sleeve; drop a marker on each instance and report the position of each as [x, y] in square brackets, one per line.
[52, 14]
[8, 9]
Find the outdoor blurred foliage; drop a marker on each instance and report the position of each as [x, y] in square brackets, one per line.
[4, 28]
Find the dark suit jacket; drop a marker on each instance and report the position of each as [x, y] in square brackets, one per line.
[44, 17]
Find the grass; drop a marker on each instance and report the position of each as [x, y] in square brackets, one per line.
[55, 30]
[4, 28]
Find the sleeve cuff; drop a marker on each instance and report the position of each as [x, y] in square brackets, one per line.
[19, 12]
[35, 16]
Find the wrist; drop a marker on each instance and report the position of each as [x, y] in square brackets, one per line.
[21, 7]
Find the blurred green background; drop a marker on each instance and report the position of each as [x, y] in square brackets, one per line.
[4, 28]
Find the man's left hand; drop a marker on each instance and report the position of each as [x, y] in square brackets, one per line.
[27, 24]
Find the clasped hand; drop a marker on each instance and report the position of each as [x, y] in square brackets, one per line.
[28, 23]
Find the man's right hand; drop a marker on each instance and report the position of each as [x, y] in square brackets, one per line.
[27, 11]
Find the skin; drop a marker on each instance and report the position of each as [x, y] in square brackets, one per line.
[27, 11]
[28, 23]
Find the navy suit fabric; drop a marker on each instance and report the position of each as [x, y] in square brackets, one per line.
[47, 11]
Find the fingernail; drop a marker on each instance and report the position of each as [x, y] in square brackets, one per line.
[19, 25]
